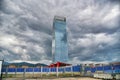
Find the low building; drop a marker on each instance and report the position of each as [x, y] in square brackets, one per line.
[59, 64]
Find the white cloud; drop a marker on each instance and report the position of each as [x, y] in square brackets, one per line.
[19, 50]
[105, 38]
[75, 61]
[12, 7]
[112, 14]
[25, 56]
[111, 18]
[39, 49]
[91, 45]
[95, 39]
[8, 40]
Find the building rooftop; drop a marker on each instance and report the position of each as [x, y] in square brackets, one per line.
[61, 18]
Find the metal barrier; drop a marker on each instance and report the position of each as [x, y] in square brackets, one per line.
[77, 68]
[107, 70]
[44, 69]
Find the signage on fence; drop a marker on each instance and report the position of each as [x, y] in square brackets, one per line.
[1, 69]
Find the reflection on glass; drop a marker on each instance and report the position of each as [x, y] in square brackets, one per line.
[59, 43]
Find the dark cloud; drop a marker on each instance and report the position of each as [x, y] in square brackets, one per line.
[93, 29]
[115, 1]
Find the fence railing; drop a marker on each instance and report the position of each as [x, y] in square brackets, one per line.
[106, 69]
[76, 68]
[44, 69]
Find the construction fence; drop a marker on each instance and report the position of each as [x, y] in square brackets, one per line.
[111, 71]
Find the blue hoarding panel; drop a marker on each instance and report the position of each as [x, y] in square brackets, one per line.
[11, 70]
[68, 69]
[76, 68]
[93, 70]
[29, 69]
[107, 68]
[53, 69]
[3, 69]
[61, 69]
[20, 69]
[116, 66]
[36, 69]
[87, 69]
[45, 69]
[99, 68]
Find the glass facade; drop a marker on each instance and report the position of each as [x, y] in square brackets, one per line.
[59, 43]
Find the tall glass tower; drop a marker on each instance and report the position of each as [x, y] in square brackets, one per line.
[59, 41]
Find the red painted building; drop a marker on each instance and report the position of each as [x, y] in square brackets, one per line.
[59, 64]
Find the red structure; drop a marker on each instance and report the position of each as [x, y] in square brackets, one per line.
[58, 64]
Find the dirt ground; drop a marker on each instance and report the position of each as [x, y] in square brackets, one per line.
[82, 78]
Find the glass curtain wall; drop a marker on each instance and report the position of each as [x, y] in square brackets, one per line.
[59, 45]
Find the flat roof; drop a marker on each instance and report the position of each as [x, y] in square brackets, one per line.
[61, 18]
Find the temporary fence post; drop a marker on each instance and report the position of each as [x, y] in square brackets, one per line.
[41, 71]
[112, 67]
[96, 71]
[57, 71]
[80, 69]
[103, 68]
[91, 71]
[48, 71]
[6, 73]
[33, 71]
[64, 70]
[24, 73]
[72, 70]
[15, 71]
[83, 70]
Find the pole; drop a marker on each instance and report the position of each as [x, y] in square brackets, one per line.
[80, 69]
[103, 68]
[33, 71]
[41, 70]
[48, 71]
[57, 71]
[72, 70]
[24, 73]
[15, 72]
[6, 73]
[64, 70]
[112, 67]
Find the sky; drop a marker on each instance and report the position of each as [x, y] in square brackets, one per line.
[93, 28]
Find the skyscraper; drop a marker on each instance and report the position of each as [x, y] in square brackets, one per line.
[59, 42]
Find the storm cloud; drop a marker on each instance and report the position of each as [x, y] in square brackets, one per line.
[93, 29]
